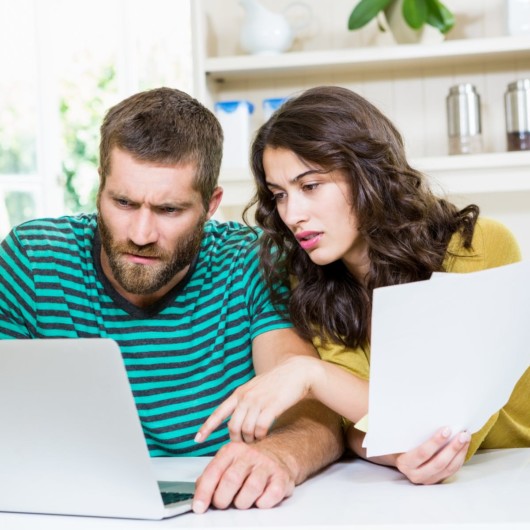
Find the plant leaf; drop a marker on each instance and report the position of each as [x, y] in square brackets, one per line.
[365, 11]
[415, 13]
[439, 16]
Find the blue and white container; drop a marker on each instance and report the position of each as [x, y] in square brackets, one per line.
[235, 119]
[270, 105]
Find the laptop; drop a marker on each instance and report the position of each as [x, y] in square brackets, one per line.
[71, 442]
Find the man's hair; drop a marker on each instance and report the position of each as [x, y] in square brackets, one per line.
[406, 227]
[168, 126]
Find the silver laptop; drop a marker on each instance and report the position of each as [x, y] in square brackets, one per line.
[71, 440]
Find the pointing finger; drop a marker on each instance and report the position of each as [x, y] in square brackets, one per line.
[221, 413]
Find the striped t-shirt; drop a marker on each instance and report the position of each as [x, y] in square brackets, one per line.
[184, 355]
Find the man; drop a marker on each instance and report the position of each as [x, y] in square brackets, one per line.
[179, 292]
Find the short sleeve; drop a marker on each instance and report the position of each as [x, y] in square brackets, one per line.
[356, 361]
[264, 315]
[16, 284]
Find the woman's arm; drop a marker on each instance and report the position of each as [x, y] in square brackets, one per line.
[255, 405]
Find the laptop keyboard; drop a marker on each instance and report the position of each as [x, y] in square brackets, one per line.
[172, 497]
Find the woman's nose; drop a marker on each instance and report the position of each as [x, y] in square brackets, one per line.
[295, 211]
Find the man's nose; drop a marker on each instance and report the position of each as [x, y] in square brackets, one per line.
[143, 229]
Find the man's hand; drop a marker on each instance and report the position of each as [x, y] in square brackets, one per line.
[245, 476]
[305, 438]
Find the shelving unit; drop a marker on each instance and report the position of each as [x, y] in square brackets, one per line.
[407, 82]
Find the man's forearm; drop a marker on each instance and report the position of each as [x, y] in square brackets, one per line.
[307, 437]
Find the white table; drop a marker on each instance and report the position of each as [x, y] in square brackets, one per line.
[491, 491]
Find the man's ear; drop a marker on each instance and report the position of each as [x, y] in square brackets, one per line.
[215, 201]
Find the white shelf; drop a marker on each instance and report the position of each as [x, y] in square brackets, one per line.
[365, 59]
[472, 174]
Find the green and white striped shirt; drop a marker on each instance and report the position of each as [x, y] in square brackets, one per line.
[183, 356]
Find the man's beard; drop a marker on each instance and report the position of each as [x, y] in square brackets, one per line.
[141, 279]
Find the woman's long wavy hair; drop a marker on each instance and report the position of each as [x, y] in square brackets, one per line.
[406, 227]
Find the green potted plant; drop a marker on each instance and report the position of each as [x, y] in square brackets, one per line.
[415, 13]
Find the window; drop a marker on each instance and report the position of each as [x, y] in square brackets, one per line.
[74, 59]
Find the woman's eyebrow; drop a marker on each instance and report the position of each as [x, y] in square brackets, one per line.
[295, 179]
[305, 173]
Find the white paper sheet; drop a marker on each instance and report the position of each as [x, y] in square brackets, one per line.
[445, 352]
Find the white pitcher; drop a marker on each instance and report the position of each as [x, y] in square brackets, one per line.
[265, 32]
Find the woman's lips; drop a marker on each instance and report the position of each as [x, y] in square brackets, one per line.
[308, 239]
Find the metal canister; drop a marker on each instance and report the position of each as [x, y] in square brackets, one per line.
[517, 108]
[464, 124]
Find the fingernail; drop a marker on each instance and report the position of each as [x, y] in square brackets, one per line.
[198, 437]
[446, 432]
[198, 507]
[464, 437]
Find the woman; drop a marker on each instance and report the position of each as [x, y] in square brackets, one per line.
[343, 212]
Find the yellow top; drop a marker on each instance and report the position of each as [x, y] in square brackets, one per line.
[493, 245]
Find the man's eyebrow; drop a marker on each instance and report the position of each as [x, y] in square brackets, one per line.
[182, 204]
[119, 195]
[175, 204]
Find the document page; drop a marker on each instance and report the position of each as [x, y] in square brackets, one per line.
[445, 352]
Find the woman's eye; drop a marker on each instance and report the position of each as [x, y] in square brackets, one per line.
[310, 187]
[278, 196]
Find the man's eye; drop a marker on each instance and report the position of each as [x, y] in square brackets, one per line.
[170, 210]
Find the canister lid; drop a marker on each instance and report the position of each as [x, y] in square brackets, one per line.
[462, 88]
[233, 106]
[520, 84]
